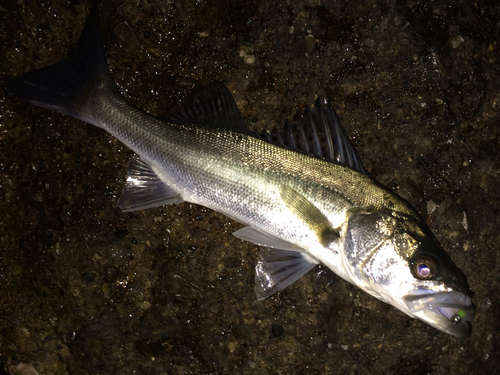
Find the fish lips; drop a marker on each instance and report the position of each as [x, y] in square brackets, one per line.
[450, 312]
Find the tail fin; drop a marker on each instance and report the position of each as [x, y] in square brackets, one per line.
[65, 86]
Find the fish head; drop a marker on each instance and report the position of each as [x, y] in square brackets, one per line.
[396, 258]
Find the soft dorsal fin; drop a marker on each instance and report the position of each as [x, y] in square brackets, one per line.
[211, 106]
[318, 133]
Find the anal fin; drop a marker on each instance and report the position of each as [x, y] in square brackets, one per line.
[144, 189]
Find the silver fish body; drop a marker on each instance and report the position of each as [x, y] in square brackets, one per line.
[305, 209]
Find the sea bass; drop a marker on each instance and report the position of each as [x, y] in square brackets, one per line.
[301, 192]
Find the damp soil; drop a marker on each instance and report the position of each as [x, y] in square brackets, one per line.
[88, 289]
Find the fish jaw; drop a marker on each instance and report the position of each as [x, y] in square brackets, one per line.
[450, 312]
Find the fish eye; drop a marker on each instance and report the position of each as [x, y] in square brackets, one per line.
[423, 267]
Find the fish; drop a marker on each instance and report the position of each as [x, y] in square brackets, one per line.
[300, 191]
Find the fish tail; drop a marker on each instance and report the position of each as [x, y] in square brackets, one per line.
[66, 86]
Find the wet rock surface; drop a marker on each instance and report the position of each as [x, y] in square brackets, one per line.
[87, 289]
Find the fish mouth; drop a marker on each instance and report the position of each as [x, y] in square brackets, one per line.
[450, 312]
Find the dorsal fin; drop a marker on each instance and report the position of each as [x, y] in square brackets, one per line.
[317, 133]
[211, 106]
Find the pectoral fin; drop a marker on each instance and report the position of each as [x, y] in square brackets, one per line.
[282, 262]
[311, 216]
[144, 189]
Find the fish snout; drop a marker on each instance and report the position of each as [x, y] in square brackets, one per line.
[450, 312]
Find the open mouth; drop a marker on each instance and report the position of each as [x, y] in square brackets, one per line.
[448, 311]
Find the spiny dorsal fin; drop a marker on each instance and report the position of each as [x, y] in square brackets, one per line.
[318, 133]
[211, 106]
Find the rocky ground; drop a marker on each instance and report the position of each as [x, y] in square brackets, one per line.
[87, 289]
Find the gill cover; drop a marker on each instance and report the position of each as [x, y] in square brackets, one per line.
[376, 249]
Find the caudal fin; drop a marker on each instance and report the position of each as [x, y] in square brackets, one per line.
[65, 86]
